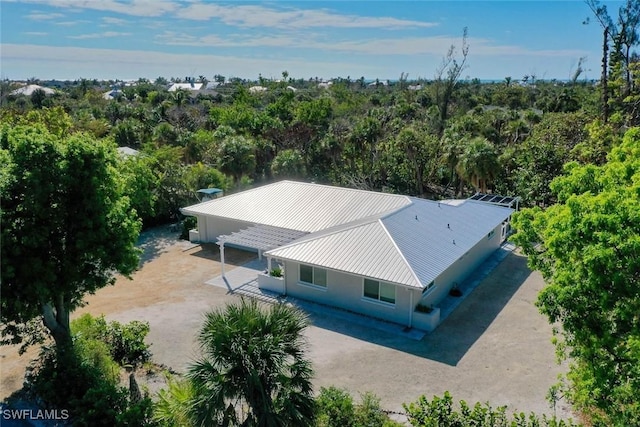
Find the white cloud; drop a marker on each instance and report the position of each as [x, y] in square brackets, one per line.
[71, 23]
[42, 16]
[244, 16]
[437, 45]
[259, 16]
[99, 35]
[151, 8]
[109, 20]
[73, 62]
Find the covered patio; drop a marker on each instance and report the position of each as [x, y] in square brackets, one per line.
[258, 237]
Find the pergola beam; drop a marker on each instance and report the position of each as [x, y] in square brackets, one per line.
[259, 237]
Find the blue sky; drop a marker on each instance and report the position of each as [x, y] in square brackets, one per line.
[109, 39]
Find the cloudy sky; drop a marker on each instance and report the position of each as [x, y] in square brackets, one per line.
[109, 39]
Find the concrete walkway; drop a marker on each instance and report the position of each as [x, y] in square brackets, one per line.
[242, 280]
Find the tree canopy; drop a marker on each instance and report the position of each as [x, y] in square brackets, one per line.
[253, 371]
[66, 226]
[587, 247]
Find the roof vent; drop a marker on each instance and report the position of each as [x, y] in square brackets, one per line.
[454, 241]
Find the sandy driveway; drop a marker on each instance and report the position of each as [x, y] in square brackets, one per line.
[495, 347]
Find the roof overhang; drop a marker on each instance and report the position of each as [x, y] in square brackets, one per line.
[261, 237]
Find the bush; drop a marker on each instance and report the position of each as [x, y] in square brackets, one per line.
[84, 378]
[125, 342]
[276, 272]
[335, 408]
[189, 223]
[440, 411]
[421, 308]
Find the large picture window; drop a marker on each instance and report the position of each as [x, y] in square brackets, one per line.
[313, 275]
[381, 291]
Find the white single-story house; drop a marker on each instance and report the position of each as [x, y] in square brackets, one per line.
[191, 86]
[372, 253]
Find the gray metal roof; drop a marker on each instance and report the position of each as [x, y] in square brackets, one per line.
[397, 239]
[365, 250]
[411, 246]
[299, 206]
[433, 235]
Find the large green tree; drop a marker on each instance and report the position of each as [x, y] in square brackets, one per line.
[587, 248]
[253, 370]
[67, 229]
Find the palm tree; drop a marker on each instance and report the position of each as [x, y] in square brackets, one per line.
[253, 371]
[478, 163]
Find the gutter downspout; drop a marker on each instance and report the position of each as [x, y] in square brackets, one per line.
[410, 307]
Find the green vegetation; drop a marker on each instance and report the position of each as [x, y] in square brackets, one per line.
[67, 227]
[72, 208]
[86, 379]
[441, 411]
[335, 408]
[254, 369]
[587, 247]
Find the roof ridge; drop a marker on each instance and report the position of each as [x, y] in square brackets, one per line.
[336, 229]
[343, 188]
[404, 259]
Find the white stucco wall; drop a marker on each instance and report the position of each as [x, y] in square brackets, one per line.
[210, 228]
[464, 266]
[346, 291]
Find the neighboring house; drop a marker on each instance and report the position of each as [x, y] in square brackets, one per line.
[29, 89]
[257, 89]
[112, 94]
[128, 151]
[372, 253]
[186, 86]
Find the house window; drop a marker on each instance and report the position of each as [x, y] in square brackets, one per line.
[490, 235]
[313, 275]
[380, 291]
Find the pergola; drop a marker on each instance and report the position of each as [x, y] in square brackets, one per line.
[260, 237]
[506, 201]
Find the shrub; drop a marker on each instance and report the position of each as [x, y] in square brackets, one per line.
[424, 308]
[189, 223]
[125, 342]
[84, 378]
[276, 272]
[334, 408]
[440, 411]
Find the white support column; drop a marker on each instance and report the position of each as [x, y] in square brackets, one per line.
[260, 254]
[268, 264]
[222, 258]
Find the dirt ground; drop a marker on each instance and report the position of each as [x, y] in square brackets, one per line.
[494, 347]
